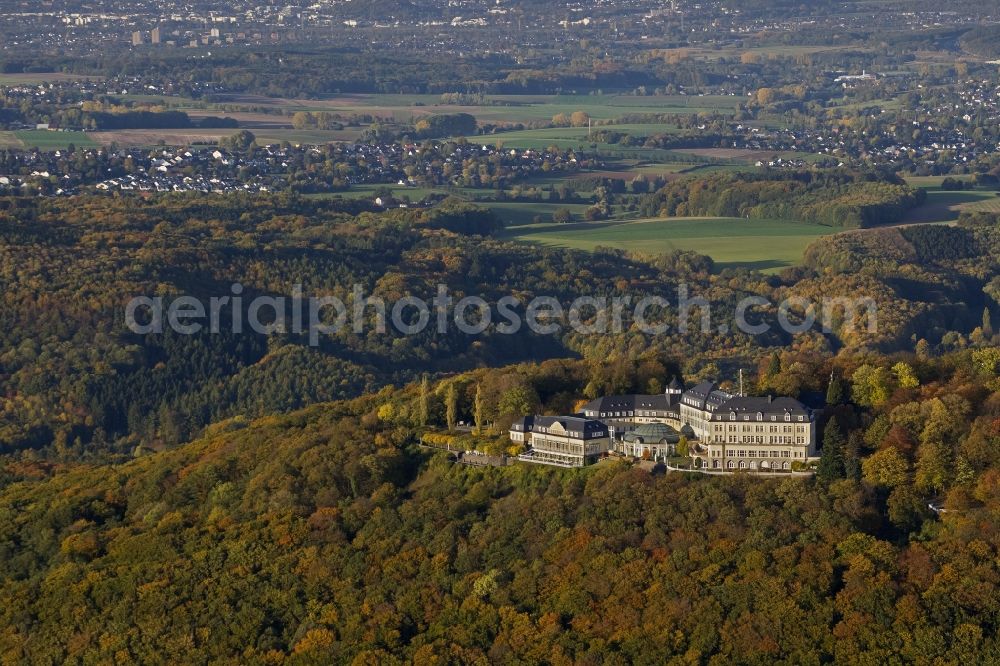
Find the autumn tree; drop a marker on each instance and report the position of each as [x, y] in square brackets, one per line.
[579, 119]
[870, 385]
[886, 467]
[905, 376]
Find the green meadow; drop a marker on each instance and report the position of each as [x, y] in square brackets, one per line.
[46, 140]
[767, 245]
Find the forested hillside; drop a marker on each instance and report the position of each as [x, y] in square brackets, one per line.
[325, 536]
[983, 41]
[76, 383]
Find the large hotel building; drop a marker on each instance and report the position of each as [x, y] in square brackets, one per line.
[725, 432]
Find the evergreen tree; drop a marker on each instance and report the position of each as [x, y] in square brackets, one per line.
[852, 456]
[835, 391]
[766, 379]
[987, 323]
[424, 406]
[831, 462]
[478, 409]
[451, 406]
[774, 365]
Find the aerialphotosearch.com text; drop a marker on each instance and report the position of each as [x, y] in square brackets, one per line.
[326, 315]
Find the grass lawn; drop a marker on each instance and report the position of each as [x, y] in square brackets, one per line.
[46, 140]
[767, 245]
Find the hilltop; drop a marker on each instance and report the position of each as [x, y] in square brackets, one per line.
[326, 536]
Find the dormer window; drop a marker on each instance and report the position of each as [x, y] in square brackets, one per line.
[788, 417]
[760, 416]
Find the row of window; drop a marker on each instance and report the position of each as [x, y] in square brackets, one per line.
[556, 445]
[743, 464]
[760, 417]
[555, 457]
[780, 440]
[718, 427]
[623, 415]
[732, 453]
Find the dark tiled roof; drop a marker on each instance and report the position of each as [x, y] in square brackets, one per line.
[706, 395]
[523, 424]
[628, 403]
[590, 428]
[763, 405]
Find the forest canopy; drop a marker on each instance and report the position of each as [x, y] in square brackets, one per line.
[836, 199]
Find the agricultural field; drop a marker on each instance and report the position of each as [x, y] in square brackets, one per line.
[932, 182]
[746, 156]
[986, 205]
[48, 140]
[517, 215]
[571, 137]
[34, 78]
[764, 53]
[180, 137]
[498, 109]
[946, 206]
[766, 245]
[401, 192]
[9, 140]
